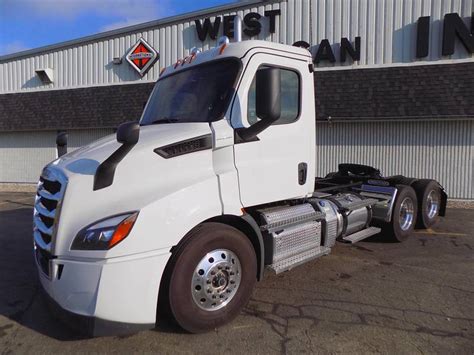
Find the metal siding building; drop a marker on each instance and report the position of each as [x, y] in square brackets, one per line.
[434, 143]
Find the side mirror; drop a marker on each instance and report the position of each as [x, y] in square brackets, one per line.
[61, 143]
[128, 133]
[268, 94]
[268, 102]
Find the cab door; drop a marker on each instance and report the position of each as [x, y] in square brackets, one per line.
[279, 163]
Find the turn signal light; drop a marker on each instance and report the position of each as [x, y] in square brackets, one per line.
[222, 49]
[123, 230]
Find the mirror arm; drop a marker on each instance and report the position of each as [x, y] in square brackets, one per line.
[247, 134]
[104, 175]
[127, 135]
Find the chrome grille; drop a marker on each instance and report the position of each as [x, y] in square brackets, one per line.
[51, 187]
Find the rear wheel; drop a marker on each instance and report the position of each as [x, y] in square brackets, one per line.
[214, 273]
[403, 214]
[429, 202]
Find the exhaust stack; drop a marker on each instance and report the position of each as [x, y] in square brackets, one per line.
[61, 144]
[237, 28]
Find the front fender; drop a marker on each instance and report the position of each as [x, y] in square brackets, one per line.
[163, 223]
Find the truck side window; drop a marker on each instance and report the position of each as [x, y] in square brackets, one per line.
[290, 98]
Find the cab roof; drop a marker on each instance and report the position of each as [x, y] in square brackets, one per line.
[233, 50]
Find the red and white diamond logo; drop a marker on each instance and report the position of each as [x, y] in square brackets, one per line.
[142, 56]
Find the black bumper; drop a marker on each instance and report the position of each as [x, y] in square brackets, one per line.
[92, 326]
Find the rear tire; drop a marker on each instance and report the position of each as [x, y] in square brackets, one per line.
[403, 214]
[428, 193]
[214, 273]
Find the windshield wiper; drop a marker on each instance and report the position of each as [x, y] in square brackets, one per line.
[165, 120]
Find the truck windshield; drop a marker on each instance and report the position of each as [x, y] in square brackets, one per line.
[198, 94]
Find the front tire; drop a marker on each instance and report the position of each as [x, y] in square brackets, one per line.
[214, 273]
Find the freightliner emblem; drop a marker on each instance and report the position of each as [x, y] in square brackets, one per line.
[142, 56]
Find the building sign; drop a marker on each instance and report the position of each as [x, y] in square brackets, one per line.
[453, 27]
[142, 56]
[325, 52]
[251, 21]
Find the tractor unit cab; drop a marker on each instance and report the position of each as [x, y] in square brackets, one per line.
[179, 214]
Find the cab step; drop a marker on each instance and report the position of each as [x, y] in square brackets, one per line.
[358, 236]
[296, 260]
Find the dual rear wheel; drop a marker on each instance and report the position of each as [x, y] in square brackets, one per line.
[429, 202]
[404, 214]
[415, 206]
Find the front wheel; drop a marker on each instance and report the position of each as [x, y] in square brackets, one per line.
[214, 273]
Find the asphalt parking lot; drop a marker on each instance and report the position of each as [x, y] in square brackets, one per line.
[370, 297]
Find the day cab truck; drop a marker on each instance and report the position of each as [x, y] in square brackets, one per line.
[179, 214]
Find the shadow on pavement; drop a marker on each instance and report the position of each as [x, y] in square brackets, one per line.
[21, 298]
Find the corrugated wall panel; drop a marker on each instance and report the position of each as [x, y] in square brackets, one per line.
[441, 150]
[24, 154]
[387, 29]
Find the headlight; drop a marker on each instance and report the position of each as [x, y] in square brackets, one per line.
[106, 233]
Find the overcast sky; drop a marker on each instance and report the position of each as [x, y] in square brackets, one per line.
[26, 24]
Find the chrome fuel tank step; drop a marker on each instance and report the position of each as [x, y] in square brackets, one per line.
[365, 233]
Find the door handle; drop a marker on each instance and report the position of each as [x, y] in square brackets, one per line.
[302, 173]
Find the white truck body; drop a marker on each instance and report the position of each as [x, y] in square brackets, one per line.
[117, 290]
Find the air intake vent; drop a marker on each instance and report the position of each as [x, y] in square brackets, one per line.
[46, 75]
[185, 147]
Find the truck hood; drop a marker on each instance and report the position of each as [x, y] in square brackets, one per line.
[85, 160]
[141, 178]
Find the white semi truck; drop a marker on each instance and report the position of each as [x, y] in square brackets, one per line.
[179, 215]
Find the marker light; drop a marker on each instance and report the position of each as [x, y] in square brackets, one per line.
[221, 50]
[195, 51]
[223, 40]
[106, 233]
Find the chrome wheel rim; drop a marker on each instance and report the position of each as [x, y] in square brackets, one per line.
[216, 279]
[407, 212]
[432, 204]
